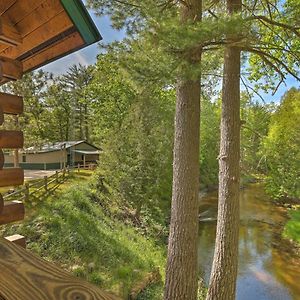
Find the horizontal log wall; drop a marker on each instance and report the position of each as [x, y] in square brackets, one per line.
[10, 69]
[11, 177]
[11, 139]
[12, 211]
[2, 159]
[1, 203]
[11, 104]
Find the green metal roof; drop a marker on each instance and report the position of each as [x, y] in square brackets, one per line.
[82, 20]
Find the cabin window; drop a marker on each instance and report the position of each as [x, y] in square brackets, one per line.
[24, 158]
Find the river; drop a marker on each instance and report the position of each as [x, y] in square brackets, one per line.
[269, 268]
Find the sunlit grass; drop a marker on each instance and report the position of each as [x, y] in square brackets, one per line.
[70, 228]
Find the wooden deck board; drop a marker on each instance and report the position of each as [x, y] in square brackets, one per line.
[24, 276]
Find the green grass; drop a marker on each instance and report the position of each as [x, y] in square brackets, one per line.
[70, 228]
[292, 227]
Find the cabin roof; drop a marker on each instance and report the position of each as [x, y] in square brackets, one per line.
[57, 147]
[37, 32]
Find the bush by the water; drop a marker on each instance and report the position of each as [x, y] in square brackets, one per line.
[292, 227]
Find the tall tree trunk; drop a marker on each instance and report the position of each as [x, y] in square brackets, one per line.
[224, 270]
[181, 270]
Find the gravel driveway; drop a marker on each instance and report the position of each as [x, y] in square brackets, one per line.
[37, 174]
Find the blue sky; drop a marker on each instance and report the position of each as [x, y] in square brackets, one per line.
[88, 56]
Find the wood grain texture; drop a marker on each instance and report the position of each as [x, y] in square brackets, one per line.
[11, 104]
[1, 203]
[11, 139]
[52, 28]
[17, 239]
[11, 177]
[13, 211]
[2, 159]
[42, 14]
[10, 69]
[24, 276]
[21, 9]
[5, 5]
[8, 33]
[73, 41]
[1, 116]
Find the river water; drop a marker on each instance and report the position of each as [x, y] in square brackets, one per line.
[269, 268]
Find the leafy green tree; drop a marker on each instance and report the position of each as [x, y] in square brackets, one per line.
[137, 159]
[255, 118]
[75, 82]
[59, 111]
[33, 87]
[282, 148]
[209, 142]
[112, 92]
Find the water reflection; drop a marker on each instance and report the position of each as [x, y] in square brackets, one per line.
[269, 269]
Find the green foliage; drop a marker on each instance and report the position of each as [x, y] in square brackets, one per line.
[282, 148]
[255, 118]
[56, 108]
[34, 122]
[71, 229]
[209, 143]
[292, 227]
[153, 292]
[137, 158]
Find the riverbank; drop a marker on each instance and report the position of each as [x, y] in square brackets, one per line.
[71, 229]
[292, 227]
[268, 264]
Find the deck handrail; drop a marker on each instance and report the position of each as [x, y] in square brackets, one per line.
[25, 276]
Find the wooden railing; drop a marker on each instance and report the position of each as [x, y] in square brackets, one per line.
[88, 166]
[38, 187]
[25, 276]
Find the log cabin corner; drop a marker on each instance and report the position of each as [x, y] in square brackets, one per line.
[34, 33]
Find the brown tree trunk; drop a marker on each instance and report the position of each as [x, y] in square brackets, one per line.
[181, 270]
[224, 270]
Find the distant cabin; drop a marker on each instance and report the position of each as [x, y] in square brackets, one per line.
[56, 156]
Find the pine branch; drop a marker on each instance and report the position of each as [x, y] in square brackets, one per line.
[252, 89]
[268, 58]
[276, 23]
[127, 3]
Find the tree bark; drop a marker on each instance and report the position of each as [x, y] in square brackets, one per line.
[182, 267]
[224, 270]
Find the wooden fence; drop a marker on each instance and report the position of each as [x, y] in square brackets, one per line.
[90, 166]
[40, 186]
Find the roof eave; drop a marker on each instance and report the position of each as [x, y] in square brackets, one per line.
[82, 20]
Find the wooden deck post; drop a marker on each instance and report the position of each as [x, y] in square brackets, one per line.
[46, 183]
[17, 239]
[27, 193]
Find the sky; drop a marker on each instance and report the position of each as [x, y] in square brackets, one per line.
[88, 55]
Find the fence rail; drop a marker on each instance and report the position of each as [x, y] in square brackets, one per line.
[44, 185]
